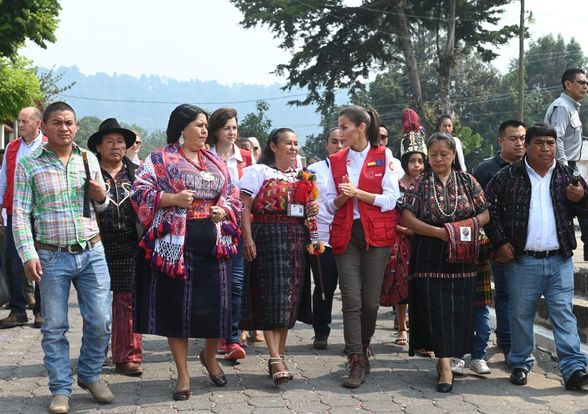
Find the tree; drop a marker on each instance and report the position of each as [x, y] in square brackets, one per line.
[336, 47]
[27, 19]
[256, 124]
[49, 83]
[19, 87]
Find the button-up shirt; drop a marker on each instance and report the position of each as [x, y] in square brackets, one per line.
[51, 195]
[233, 162]
[23, 150]
[324, 219]
[541, 230]
[564, 115]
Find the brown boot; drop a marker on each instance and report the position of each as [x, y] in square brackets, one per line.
[38, 322]
[13, 320]
[356, 372]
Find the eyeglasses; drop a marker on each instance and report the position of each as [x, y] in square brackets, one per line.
[383, 136]
[582, 82]
[138, 142]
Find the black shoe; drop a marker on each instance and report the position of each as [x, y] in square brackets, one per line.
[443, 386]
[518, 376]
[320, 342]
[220, 380]
[577, 380]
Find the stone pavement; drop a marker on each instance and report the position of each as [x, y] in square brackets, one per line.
[397, 383]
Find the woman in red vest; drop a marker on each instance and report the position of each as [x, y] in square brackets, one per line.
[222, 134]
[362, 193]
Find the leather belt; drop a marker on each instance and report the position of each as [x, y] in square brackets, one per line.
[541, 254]
[72, 248]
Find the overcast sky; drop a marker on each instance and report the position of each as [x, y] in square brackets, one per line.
[202, 39]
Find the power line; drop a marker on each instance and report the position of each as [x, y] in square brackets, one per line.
[91, 98]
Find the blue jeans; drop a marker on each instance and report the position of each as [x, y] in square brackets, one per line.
[322, 309]
[482, 317]
[528, 278]
[236, 294]
[15, 273]
[89, 274]
[501, 306]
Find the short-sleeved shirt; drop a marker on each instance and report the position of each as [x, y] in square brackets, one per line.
[269, 187]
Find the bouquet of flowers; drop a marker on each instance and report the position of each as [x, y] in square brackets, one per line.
[305, 193]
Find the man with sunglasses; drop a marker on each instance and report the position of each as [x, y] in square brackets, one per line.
[564, 115]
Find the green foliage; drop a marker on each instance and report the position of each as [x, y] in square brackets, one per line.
[86, 127]
[314, 146]
[256, 124]
[27, 19]
[19, 87]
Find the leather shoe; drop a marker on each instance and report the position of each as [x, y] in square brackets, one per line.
[577, 380]
[132, 369]
[181, 395]
[13, 320]
[59, 404]
[518, 376]
[38, 322]
[99, 391]
[444, 386]
[220, 380]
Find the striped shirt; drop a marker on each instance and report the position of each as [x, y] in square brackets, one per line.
[51, 195]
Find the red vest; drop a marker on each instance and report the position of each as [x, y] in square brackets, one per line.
[379, 228]
[246, 157]
[10, 161]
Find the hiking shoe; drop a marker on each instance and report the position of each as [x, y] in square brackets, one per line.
[234, 352]
[356, 372]
[14, 320]
[99, 391]
[479, 366]
[59, 404]
[457, 366]
[38, 322]
[320, 342]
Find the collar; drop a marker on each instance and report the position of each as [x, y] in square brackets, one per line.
[501, 161]
[362, 152]
[43, 150]
[530, 169]
[236, 153]
[569, 98]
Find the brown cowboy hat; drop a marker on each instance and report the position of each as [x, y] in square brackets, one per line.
[110, 125]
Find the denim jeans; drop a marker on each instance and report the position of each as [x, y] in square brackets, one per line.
[501, 306]
[528, 278]
[322, 309]
[15, 273]
[236, 294]
[89, 274]
[482, 317]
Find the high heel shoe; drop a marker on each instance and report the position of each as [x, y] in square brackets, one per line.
[290, 374]
[220, 380]
[280, 376]
[443, 386]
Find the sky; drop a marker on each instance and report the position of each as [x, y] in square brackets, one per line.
[202, 39]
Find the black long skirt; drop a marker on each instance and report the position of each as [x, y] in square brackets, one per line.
[198, 307]
[441, 304]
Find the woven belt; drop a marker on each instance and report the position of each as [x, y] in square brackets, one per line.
[541, 254]
[72, 248]
[277, 218]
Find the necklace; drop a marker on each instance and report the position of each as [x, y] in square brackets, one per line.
[437, 198]
[198, 162]
[287, 174]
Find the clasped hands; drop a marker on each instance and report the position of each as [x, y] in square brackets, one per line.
[185, 198]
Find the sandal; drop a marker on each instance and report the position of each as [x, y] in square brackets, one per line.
[290, 374]
[280, 376]
[258, 336]
[401, 338]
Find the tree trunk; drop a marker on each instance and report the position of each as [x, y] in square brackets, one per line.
[405, 42]
[447, 60]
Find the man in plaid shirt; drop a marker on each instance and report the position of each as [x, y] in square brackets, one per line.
[63, 246]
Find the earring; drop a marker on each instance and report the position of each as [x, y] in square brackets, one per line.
[181, 141]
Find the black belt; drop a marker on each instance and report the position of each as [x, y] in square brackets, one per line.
[542, 254]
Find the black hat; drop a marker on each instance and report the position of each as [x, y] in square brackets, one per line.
[110, 125]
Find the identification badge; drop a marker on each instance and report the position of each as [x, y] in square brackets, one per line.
[295, 210]
[465, 234]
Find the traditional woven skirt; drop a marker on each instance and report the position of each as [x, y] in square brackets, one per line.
[198, 307]
[441, 304]
[276, 285]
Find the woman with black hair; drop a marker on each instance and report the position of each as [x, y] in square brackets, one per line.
[191, 211]
[361, 194]
[445, 124]
[445, 208]
[276, 286]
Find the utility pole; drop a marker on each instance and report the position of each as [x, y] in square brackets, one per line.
[522, 63]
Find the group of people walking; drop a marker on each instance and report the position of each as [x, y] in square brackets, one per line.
[205, 239]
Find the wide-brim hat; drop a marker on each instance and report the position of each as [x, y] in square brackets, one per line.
[107, 126]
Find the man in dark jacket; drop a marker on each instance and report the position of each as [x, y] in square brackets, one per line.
[533, 204]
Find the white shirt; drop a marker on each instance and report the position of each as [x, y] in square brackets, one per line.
[459, 151]
[541, 230]
[324, 219]
[233, 162]
[390, 191]
[255, 175]
[23, 150]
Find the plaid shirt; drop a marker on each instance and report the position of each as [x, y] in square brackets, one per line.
[51, 195]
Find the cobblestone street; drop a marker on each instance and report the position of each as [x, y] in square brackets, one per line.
[397, 383]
